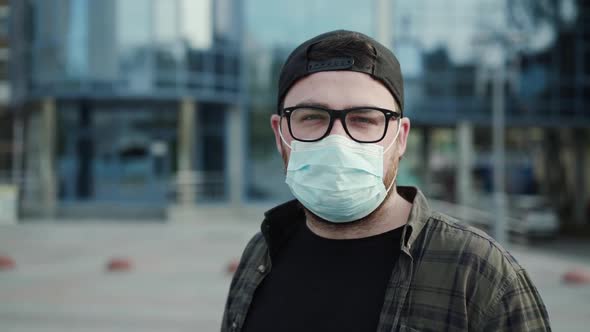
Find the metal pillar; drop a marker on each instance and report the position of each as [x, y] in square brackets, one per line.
[85, 146]
[427, 172]
[384, 22]
[17, 148]
[580, 204]
[498, 136]
[464, 183]
[47, 170]
[235, 155]
[186, 177]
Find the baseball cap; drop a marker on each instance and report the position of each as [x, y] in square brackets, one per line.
[384, 67]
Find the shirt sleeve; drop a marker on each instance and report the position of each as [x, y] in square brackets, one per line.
[518, 307]
[239, 276]
[225, 322]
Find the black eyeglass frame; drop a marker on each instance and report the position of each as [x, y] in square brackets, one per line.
[341, 114]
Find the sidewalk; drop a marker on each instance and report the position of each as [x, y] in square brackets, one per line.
[568, 305]
[178, 281]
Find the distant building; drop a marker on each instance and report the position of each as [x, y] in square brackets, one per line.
[128, 105]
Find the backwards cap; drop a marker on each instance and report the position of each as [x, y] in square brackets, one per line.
[384, 68]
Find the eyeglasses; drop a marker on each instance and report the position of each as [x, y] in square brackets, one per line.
[362, 124]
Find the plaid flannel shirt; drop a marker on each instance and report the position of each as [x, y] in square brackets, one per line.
[449, 276]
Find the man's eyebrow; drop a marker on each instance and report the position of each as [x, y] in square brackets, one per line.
[314, 103]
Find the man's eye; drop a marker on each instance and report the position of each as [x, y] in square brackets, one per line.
[310, 116]
[362, 120]
[314, 117]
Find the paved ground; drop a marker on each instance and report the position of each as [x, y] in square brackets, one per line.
[179, 281]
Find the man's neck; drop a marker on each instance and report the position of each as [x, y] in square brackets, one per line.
[393, 213]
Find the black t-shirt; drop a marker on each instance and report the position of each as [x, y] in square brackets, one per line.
[319, 284]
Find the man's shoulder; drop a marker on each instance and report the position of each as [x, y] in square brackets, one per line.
[454, 260]
[450, 236]
[256, 246]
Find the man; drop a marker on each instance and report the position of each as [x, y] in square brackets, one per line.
[355, 252]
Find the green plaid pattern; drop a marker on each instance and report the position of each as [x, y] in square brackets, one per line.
[449, 277]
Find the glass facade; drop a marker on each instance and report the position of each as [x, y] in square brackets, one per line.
[453, 42]
[163, 48]
[117, 74]
[116, 153]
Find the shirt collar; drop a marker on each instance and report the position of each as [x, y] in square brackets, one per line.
[419, 215]
[281, 221]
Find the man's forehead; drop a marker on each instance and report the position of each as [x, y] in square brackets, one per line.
[340, 90]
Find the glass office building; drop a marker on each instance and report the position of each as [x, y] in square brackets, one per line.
[127, 103]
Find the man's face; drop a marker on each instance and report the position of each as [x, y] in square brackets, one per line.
[341, 90]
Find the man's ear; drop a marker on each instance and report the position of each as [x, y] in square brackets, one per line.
[402, 138]
[275, 122]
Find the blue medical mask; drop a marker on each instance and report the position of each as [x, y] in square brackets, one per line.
[338, 179]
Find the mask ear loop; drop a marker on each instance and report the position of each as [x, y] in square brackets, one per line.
[281, 133]
[399, 126]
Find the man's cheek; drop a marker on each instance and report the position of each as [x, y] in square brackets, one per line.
[285, 157]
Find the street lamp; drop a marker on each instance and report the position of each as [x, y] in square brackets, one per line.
[496, 49]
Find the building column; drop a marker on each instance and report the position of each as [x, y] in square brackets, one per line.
[426, 171]
[581, 203]
[383, 22]
[47, 151]
[186, 176]
[235, 160]
[85, 151]
[463, 178]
